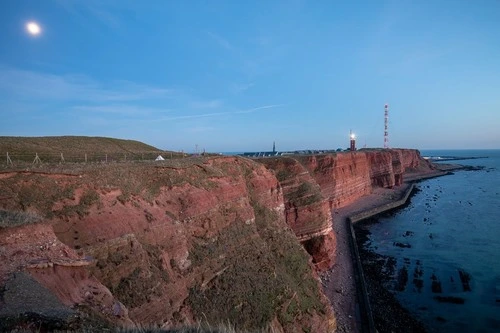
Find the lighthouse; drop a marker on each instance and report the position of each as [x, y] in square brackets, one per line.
[352, 146]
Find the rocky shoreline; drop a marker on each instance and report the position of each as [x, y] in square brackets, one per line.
[388, 314]
[216, 204]
[339, 282]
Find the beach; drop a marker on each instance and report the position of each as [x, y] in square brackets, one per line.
[339, 282]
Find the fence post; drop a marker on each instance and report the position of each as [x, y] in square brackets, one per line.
[85, 157]
[106, 158]
[37, 159]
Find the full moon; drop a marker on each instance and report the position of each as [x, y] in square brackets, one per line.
[33, 28]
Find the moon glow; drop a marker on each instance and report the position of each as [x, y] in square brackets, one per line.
[33, 28]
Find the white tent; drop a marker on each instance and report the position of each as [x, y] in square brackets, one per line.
[160, 158]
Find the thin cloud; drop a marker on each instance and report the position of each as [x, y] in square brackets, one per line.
[104, 16]
[131, 110]
[214, 114]
[238, 88]
[96, 9]
[30, 85]
[212, 104]
[221, 41]
[193, 116]
[416, 59]
[262, 59]
[261, 108]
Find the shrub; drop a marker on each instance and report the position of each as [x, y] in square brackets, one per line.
[198, 328]
[305, 194]
[14, 219]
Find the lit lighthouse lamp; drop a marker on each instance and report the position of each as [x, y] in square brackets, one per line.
[352, 146]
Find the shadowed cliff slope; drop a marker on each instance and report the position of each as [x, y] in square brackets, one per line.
[307, 211]
[181, 241]
[314, 185]
[166, 244]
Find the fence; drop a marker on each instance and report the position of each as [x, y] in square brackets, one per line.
[18, 159]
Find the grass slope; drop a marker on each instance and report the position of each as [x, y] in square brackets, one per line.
[74, 148]
[70, 144]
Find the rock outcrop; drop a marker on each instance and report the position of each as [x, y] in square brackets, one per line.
[307, 211]
[50, 271]
[313, 185]
[168, 244]
[191, 240]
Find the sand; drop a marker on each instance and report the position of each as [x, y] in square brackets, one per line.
[339, 281]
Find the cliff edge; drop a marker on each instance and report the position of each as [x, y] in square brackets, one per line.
[165, 244]
[314, 185]
[182, 241]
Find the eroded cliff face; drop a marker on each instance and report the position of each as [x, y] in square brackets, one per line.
[314, 185]
[307, 211]
[412, 159]
[343, 177]
[190, 240]
[382, 171]
[168, 244]
[347, 176]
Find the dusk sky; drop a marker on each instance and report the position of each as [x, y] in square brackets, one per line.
[237, 75]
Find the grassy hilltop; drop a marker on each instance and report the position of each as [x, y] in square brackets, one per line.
[74, 149]
[177, 242]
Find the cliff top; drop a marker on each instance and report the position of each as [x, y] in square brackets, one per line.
[70, 144]
[77, 149]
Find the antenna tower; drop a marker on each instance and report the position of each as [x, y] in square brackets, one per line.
[386, 126]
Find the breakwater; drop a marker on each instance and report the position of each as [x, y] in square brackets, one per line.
[437, 255]
[366, 313]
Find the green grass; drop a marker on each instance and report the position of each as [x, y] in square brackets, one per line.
[140, 285]
[35, 192]
[283, 167]
[77, 149]
[305, 194]
[259, 270]
[70, 144]
[265, 277]
[87, 200]
[197, 328]
[97, 325]
[287, 171]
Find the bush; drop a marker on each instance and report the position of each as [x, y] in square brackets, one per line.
[305, 194]
[14, 219]
[199, 328]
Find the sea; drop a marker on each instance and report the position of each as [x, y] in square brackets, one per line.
[447, 239]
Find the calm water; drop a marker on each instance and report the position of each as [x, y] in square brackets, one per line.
[453, 227]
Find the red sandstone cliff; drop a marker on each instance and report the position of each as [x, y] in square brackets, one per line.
[172, 243]
[313, 185]
[165, 244]
[342, 177]
[345, 177]
[307, 211]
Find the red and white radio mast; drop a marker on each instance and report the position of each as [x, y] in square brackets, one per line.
[386, 126]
